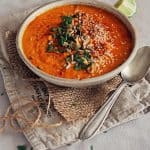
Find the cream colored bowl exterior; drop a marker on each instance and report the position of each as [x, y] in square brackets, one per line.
[74, 82]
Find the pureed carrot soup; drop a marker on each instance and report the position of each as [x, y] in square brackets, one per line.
[77, 41]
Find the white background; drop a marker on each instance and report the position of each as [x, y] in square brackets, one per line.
[134, 135]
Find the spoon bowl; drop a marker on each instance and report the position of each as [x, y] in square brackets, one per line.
[137, 69]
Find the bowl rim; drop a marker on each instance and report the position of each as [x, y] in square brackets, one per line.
[75, 82]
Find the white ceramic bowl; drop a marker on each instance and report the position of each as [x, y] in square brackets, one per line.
[74, 82]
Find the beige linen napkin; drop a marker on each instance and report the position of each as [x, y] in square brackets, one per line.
[21, 83]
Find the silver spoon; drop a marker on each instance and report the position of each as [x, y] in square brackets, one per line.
[134, 72]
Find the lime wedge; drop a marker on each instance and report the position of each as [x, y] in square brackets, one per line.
[127, 7]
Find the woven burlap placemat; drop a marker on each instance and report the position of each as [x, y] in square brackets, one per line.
[76, 104]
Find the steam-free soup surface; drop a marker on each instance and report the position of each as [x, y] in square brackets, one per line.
[77, 41]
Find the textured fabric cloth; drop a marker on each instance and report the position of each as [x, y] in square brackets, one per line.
[133, 102]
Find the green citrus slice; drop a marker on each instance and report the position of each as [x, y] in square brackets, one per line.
[127, 7]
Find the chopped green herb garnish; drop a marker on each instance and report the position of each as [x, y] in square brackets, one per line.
[81, 66]
[77, 67]
[54, 36]
[87, 55]
[60, 30]
[67, 20]
[62, 40]
[68, 38]
[82, 61]
[78, 58]
[21, 147]
[50, 48]
[68, 58]
[91, 147]
[2, 93]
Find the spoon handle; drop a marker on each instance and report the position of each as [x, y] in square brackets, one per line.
[98, 119]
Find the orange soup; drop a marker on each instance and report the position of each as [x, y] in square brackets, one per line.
[77, 42]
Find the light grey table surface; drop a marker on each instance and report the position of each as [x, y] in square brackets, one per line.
[134, 135]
